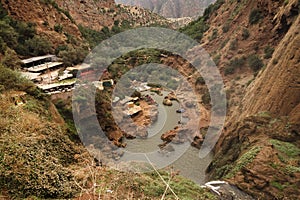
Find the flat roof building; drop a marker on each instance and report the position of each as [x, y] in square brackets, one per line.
[30, 62]
[44, 67]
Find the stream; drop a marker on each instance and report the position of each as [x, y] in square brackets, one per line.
[183, 157]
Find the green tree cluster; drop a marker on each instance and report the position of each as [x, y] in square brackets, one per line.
[73, 56]
[20, 37]
[255, 63]
[255, 16]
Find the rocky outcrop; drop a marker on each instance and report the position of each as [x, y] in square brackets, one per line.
[167, 102]
[252, 152]
[99, 14]
[169, 135]
[254, 156]
[172, 96]
[277, 88]
[172, 8]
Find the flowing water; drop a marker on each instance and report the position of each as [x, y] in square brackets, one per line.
[187, 160]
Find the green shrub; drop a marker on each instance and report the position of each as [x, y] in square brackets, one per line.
[111, 10]
[116, 22]
[58, 28]
[212, 8]
[223, 44]
[237, 62]
[3, 12]
[14, 34]
[290, 169]
[200, 80]
[152, 186]
[60, 48]
[216, 59]
[254, 62]
[214, 34]
[38, 46]
[45, 23]
[226, 27]
[8, 34]
[245, 34]
[234, 64]
[125, 24]
[233, 44]
[287, 148]
[116, 29]
[268, 52]
[255, 16]
[11, 80]
[3, 46]
[229, 70]
[65, 109]
[34, 158]
[275, 61]
[93, 37]
[196, 29]
[286, 2]
[25, 30]
[73, 56]
[243, 161]
[277, 185]
[11, 59]
[206, 98]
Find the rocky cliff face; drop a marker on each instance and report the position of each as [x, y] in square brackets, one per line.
[105, 13]
[241, 37]
[277, 88]
[259, 149]
[172, 8]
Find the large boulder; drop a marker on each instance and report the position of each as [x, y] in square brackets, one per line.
[167, 102]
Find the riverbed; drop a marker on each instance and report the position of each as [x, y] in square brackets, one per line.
[181, 157]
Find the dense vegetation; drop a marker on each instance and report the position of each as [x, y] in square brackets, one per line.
[20, 37]
[94, 37]
[197, 28]
[12, 81]
[29, 136]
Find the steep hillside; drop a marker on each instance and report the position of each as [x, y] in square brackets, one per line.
[277, 88]
[36, 149]
[51, 21]
[68, 24]
[99, 14]
[41, 158]
[241, 37]
[255, 45]
[172, 8]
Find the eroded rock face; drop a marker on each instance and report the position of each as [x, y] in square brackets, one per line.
[169, 135]
[99, 14]
[172, 8]
[277, 88]
[252, 152]
[251, 157]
